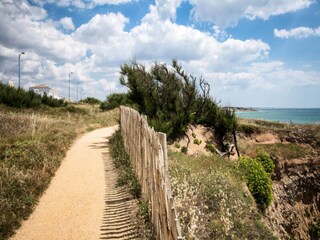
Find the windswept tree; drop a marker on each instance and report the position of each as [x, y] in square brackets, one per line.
[170, 97]
[173, 99]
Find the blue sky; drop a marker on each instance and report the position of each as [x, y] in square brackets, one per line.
[252, 53]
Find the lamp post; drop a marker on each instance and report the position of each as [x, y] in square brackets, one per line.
[69, 84]
[19, 69]
[82, 93]
[77, 91]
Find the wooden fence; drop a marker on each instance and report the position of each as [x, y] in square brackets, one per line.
[148, 152]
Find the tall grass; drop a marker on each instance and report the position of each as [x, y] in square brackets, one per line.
[212, 199]
[32, 146]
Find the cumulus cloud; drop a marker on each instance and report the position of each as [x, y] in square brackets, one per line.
[67, 23]
[22, 30]
[101, 28]
[95, 50]
[300, 32]
[227, 13]
[167, 9]
[80, 3]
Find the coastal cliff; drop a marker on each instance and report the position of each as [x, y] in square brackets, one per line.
[294, 212]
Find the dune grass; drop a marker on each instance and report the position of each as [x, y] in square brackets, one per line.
[33, 143]
[212, 199]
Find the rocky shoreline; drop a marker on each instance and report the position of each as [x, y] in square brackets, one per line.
[242, 109]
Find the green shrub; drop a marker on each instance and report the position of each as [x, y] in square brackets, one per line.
[314, 230]
[248, 129]
[211, 148]
[113, 101]
[177, 145]
[20, 98]
[194, 135]
[197, 141]
[171, 98]
[258, 181]
[184, 150]
[266, 161]
[91, 100]
[122, 162]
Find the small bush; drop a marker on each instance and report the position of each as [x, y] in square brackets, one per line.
[177, 145]
[91, 100]
[211, 148]
[248, 129]
[266, 161]
[258, 181]
[184, 150]
[194, 135]
[197, 141]
[113, 101]
[20, 98]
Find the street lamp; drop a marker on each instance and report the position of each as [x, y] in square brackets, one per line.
[19, 69]
[69, 84]
[82, 93]
[77, 91]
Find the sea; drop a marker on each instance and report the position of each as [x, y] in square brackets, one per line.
[286, 115]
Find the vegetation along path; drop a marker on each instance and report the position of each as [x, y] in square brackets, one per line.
[82, 201]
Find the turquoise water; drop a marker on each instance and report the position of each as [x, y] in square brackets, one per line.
[294, 115]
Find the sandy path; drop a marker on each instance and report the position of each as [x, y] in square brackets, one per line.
[73, 206]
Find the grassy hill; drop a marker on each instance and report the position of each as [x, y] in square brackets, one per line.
[32, 144]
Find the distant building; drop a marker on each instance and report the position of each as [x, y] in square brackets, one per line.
[41, 89]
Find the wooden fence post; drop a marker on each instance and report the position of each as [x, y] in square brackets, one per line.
[148, 153]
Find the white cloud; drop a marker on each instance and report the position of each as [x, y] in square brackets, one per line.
[22, 30]
[114, 2]
[20, 8]
[300, 32]
[95, 51]
[227, 13]
[80, 3]
[67, 23]
[101, 28]
[167, 8]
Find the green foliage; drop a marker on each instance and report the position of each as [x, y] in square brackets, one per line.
[194, 135]
[114, 100]
[222, 120]
[266, 161]
[177, 145]
[258, 181]
[91, 100]
[212, 194]
[226, 122]
[211, 148]
[197, 141]
[314, 230]
[20, 98]
[248, 129]
[184, 150]
[288, 151]
[167, 95]
[122, 162]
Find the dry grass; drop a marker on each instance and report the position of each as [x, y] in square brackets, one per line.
[32, 145]
[212, 199]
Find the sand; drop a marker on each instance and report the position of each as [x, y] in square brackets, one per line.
[73, 205]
